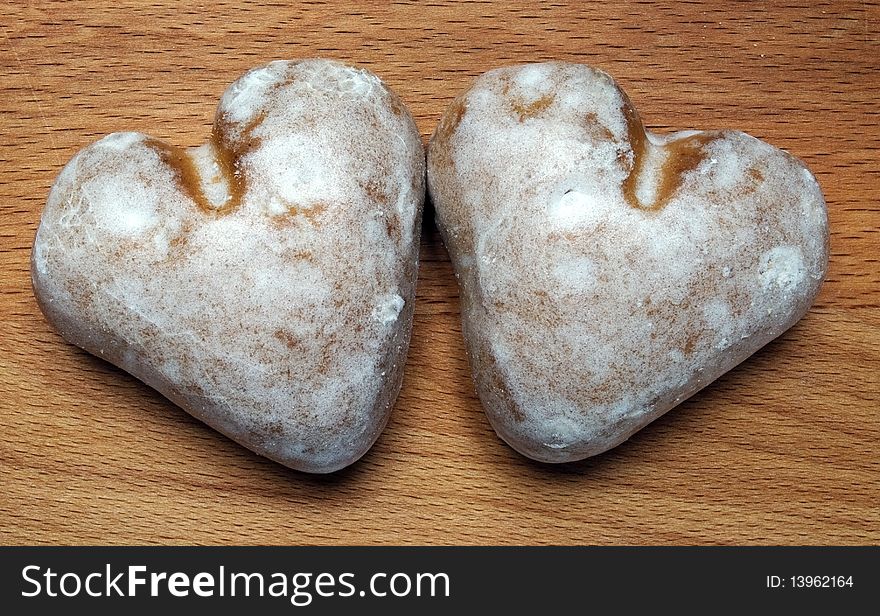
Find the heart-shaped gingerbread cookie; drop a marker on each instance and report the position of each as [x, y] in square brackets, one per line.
[607, 273]
[264, 281]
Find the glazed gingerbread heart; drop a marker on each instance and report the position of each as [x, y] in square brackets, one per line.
[608, 273]
[264, 281]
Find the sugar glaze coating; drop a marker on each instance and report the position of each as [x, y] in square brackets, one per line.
[265, 281]
[607, 273]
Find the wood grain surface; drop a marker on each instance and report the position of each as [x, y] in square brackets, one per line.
[782, 450]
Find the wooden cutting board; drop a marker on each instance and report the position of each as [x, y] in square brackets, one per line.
[782, 450]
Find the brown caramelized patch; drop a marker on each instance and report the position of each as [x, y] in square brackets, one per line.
[681, 156]
[530, 110]
[288, 339]
[638, 143]
[184, 170]
[228, 153]
[311, 213]
[375, 192]
[396, 105]
[305, 255]
[284, 221]
[450, 120]
[179, 243]
[756, 175]
[596, 129]
[326, 359]
[440, 149]
[274, 428]
[392, 227]
[689, 344]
